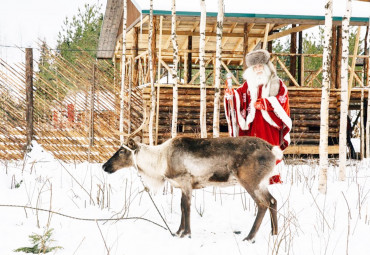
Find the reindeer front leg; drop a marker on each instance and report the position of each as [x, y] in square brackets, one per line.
[184, 229]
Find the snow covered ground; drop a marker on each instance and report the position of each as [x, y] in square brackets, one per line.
[309, 223]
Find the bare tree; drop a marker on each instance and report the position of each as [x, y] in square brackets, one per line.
[324, 112]
[174, 71]
[123, 70]
[151, 74]
[344, 93]
[216, 109]
[203, 92]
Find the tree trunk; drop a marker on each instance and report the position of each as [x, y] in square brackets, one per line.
[324, 112]
[344, 93]
[203, 101]
[151, 75]
[123, 70]
[174, 71]
[216, 109]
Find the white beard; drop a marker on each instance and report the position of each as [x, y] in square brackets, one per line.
[254, 80]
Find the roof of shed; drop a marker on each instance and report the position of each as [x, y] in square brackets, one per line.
[236, 11]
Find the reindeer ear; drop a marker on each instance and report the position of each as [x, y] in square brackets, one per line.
[132, 144]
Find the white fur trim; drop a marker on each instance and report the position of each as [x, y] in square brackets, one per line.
[268, 119]
[279, 111]
[244, 123]
[281, 114]
[227, 114]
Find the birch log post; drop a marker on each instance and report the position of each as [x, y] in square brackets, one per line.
[159, 78]
[203, 100]
[174, 71]
[324, 112]
[216, 109]
[123, 71]
[344, 93]
[151, 75]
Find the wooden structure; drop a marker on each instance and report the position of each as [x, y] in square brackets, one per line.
[245, 28]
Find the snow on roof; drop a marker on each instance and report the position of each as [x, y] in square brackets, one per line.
[265, 8]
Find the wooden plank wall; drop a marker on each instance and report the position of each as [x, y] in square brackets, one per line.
[304, 105]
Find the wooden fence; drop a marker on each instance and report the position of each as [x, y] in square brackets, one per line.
[76, 107]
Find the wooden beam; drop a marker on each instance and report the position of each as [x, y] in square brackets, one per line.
[287, 72]
[245, 44]
[135, 53]
[339, 56]
[353, 63]
[212, 34]
[309, 149]
[267, 30]
[228, 70]
[293, 50]
[29, 97]
[289, 31]
[333, 57]
[189, 66]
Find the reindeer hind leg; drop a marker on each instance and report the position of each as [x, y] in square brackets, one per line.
[273, 214]
[184, 229]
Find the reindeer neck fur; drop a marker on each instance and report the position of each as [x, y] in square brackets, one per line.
[152, 164]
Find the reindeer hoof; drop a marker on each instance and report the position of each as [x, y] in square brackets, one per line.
[250, 240]
[182, 233]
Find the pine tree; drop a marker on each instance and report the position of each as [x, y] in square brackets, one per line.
[82, 32]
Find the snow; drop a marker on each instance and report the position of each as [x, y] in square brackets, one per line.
[309, 222]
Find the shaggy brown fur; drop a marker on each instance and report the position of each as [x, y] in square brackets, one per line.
[192, 163]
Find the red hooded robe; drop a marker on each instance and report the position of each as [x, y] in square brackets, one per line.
[272, 124]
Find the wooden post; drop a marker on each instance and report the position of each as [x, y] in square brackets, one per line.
[29, 97]
[159, 78]
[269, 43]
[154, 46]
[333, 68]
[123, 72]
[245, 44]
[185, 68]
[324, 110]
[202, 70]
[300, 60]
[339, 57]
[353, 64]
[267, 30]
[91, 122]
[135, 53]
[293, 58]
[190, 47]
[130, 67]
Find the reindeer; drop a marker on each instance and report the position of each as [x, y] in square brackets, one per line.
[194, 163]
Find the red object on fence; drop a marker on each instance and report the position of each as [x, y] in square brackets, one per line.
[71, 113]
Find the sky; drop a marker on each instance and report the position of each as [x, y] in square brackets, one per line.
[22, 22]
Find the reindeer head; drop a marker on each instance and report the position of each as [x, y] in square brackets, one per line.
[122, 158]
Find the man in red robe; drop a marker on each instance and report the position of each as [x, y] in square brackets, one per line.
[261, 105]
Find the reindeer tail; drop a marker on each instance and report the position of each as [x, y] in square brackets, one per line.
[278, 153]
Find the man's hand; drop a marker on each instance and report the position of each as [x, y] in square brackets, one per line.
[260, 104]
